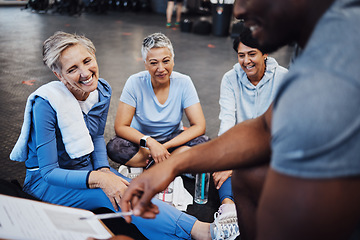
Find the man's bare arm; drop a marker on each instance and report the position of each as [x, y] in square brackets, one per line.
[247, 144]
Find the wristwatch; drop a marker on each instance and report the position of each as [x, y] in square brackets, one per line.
[143, 141]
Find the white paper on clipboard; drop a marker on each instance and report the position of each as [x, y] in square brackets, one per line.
[27, 219]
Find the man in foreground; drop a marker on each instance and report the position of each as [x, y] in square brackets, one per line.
[298, 165]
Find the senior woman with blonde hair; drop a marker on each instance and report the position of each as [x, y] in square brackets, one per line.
[63, 146]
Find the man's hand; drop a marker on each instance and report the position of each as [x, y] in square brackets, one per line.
[220, 177]
[143, 188]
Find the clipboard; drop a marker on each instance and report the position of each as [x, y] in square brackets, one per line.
[28, 219]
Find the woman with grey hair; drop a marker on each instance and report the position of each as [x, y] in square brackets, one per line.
[61, 140]
[63, 147]
[148, 123]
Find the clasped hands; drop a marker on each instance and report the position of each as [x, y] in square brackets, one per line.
[157, 150]
[113, 185]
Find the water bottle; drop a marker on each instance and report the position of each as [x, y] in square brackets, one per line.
[167, 195]
[202, 188]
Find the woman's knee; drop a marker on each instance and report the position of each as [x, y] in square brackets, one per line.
[198, 140]
[180, 149]
[121, 150]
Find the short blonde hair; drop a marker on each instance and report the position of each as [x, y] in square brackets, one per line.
[57, 43]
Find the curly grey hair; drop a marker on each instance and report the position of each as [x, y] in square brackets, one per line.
[156, 40]
[57, 43]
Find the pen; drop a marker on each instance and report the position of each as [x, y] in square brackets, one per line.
[107, 215]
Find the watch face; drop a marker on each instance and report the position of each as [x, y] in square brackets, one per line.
[142, 142]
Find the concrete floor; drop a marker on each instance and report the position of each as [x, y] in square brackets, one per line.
[117, 37]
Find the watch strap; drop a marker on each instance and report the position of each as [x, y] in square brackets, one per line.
[143, 141]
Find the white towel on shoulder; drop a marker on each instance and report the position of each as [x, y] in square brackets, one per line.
[75, 134]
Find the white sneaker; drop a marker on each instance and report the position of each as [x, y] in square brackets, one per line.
[130, 172]
[227, 207]
[225, 225]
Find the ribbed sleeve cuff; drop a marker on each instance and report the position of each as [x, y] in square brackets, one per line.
[87, 179]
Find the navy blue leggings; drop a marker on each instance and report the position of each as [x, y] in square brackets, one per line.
[225, 190]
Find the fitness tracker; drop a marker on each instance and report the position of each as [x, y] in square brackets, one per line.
[143, 141]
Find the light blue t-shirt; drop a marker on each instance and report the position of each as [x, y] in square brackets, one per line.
[316, 116]
[151, 117]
